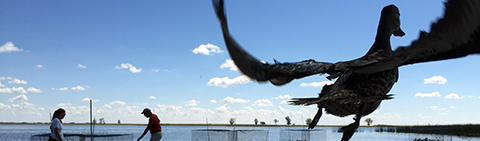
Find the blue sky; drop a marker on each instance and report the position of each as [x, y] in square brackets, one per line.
[170, 56]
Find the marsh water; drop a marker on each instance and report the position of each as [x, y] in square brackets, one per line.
[23, 132]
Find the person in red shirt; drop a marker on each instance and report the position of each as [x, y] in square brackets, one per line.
[153, 126]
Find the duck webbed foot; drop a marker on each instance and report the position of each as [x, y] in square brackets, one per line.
[316, 118]
[350, 129]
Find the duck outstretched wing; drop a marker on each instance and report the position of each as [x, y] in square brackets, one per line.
[278, 73]
[455, 35]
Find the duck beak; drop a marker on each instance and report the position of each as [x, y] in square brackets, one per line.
[399, 32]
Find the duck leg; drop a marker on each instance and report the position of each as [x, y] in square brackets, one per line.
[316, 118]
[349, 130]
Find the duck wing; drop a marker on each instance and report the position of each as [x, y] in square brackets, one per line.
[278, 73]
[455, 35]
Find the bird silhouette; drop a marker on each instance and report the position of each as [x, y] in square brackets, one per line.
[363, 83]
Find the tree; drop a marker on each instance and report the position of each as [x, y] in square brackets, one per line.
[118, 121]
[232, 121]
[308, 121]
[275, 121]
[262, 123]
[288, 120]
[102, 121]
[369, 121]
[256, 121]
[94, 121]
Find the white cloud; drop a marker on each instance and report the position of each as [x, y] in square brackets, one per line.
[18, 90]
[5, 90]
[114, 103]
[284, 102]
[9, 47]
[433, 107]
[152, 97]
[192, 103]
[21, 97]
[453, 96]
[5, 78]
[208, 49]
[18, 81]
[88, 99]
[1, 85]
[287, 96]
[130, 67]
[434, 94]
[38, 66]
[60, 89]
[34, 90]
[435, 80]
[81, 66]
[229, 64]
[78, 88]
[470, 96]
[226, 82]
[317, 84]
[222, 109]
[262, 103]
[230, 100]
[213, 101]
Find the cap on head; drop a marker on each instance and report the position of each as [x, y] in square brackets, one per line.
[146, 110]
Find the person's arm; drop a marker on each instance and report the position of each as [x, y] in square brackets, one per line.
[57, 133]
[144, 132]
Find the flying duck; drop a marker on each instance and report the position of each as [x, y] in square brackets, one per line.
[363, 83]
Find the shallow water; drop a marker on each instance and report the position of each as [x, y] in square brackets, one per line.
[22, 132]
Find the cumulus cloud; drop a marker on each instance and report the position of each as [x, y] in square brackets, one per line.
[78, 88]
[114, 103]
[9, 47]
[5, 90]
[208, 49]
[230, 100]
[192, 103]
[229, 64]
[88, 99]
[5, 78]
[284, 102]
[435, 80]
[453, 96]
[60, 89]
[287, 96]
[226, 82]
[152, 97]
[21, 98]
[17, 81]
[317, 84]
[262, 103]
[1, 85]
[434, 94]
[213, 101]
[130, 67]
[81, 66]
[222, 109]
[38, 66]
[34, 90]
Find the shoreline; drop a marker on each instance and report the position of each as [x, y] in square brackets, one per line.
[217, 124]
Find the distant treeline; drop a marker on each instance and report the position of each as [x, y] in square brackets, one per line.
[469, 130]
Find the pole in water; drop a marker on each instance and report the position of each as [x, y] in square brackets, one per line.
[91, 129]
[208, 132]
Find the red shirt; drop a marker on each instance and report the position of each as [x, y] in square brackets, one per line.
[154, 124]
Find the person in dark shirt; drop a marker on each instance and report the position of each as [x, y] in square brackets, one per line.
[153, 126]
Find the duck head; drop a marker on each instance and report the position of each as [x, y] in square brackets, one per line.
[390, 21]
